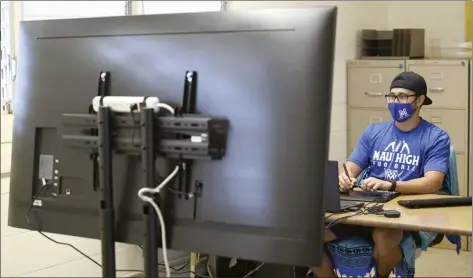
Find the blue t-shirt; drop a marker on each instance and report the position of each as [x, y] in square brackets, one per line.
[395, 155]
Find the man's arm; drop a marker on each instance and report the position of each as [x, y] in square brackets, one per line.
[437, 159]
[359, 159]
[353, 169]
[429, 184]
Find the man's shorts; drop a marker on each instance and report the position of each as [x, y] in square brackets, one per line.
[342, 231]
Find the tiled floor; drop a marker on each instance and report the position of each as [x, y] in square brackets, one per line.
[6, 159]
[7, 130]
[6, 135]
[443, 263]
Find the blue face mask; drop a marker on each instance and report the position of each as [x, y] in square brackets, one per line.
[401, 112]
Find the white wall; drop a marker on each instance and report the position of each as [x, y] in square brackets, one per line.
[40, 10]
[26, 253]
[441, 19]
[169, 7]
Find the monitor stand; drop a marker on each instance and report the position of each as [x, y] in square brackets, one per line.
[102, 128]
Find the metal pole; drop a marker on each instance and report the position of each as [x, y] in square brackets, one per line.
[148, 162]
[106, 193]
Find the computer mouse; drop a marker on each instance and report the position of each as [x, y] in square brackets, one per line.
[392, 213]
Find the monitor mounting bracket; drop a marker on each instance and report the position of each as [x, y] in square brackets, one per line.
[184, 137]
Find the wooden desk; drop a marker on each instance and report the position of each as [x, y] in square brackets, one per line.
[450, 220]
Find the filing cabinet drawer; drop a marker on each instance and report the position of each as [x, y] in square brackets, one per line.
[360, 119]
[454, 122]
[367, 84]
[447, 81]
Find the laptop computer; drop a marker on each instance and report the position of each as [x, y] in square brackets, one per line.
[332, 202]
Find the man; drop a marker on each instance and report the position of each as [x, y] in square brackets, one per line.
[407, 154]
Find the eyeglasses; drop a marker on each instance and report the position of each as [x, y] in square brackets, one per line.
[403, 98]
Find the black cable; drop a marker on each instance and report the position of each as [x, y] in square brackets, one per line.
[176, 269]
[83, 254]
[71, 246]
[254, 270]
[375, 208]
[336, 221]
[195, 273]
[34, 199]
[45, 185]
[177, 192]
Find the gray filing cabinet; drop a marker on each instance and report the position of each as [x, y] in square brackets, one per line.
[448, 87]
[368, 82]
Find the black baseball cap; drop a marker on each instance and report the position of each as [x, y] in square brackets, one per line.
[414, 82]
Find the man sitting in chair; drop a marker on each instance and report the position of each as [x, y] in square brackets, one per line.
[407, 154]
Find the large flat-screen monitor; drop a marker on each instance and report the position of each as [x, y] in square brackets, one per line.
[269, 72]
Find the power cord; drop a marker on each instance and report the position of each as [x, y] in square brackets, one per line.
[167, 107]
[208, 269]
[162, 224]
[166, 262]
[143, 192]
[173, 268]
[254, 270]
[338, 220]
[179, 270]
[43, 187]
[246, 275]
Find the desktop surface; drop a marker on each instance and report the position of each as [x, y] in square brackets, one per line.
[445, 220]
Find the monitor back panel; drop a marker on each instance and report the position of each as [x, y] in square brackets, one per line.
[268, 72]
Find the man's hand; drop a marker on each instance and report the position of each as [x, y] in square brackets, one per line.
[345, 183]
[374, 184]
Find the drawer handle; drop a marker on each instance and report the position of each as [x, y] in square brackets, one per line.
[436, 120]
[436, 90]
[375, 120]
[374, 94]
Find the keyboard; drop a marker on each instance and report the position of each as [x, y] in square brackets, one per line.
[372, 197]
[436, 203]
